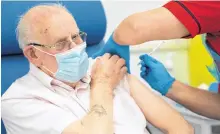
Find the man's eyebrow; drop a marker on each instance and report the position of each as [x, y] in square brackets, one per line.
[66, 38]
[75, 35]
[62, 39]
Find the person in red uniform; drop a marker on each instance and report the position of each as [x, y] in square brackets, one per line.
[176, 19]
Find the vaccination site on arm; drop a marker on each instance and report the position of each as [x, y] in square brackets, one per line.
[110, 67]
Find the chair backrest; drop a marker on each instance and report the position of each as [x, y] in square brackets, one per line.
[89, 15]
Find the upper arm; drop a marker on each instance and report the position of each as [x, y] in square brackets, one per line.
[155, 109]
[197, 16]
[30, 116]
[156, 24]
[176, 19]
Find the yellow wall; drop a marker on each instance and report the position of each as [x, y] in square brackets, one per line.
[198, 59]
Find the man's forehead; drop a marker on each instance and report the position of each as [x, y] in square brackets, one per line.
[42, 13]
[45, 10]
[51, 24]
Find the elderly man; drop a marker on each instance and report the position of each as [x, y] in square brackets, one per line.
[60, 95]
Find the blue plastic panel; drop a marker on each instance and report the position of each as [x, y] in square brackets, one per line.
[89, 15]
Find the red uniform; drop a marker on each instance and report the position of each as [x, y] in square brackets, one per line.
[200, 17]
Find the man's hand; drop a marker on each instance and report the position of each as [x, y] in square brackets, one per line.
[106, 73]
[108, 70]
[155, 74]
[113, 48]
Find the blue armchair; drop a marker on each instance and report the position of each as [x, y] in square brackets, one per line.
[89, 15]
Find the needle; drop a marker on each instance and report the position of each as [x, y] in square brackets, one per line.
[153, 50]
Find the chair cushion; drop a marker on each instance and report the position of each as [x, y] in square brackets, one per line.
[13, 67]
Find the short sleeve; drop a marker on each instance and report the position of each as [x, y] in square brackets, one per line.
[197, 16]
[30, 116]
[219, 88]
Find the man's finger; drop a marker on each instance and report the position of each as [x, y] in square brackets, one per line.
[115, 58]
[120, 63]
[106, 56]
[123, 71]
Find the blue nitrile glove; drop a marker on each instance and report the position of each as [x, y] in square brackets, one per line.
[113, 48]
[155, 74]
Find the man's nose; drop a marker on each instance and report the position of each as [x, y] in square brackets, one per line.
[72, 45]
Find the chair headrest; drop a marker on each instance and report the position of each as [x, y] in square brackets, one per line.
[89, 15]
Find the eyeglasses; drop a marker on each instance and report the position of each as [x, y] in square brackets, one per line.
[66, 45]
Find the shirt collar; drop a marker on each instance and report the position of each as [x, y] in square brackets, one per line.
[47, 80]
[44, 78]
[84, 83]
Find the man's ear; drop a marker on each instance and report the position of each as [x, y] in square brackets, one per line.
[32, 55]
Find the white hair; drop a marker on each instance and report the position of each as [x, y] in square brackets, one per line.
[23, 29]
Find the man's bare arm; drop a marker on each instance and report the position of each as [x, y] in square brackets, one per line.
[156, 110]
[106, 74]
[156, 24]
[199, 101]
[100, 118]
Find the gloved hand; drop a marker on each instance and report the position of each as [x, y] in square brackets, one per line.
[155, 74]
[113, 48]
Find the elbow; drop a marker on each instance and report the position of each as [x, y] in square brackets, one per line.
[187, 129]
[132, 30]
[126, 32]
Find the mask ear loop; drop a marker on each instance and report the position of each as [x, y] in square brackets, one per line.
[42, 64]
[48, 70]
[43, 51]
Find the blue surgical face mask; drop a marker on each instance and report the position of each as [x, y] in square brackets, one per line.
[72, 64]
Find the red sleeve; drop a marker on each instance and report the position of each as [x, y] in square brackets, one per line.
[197, 16]
[219, 88]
